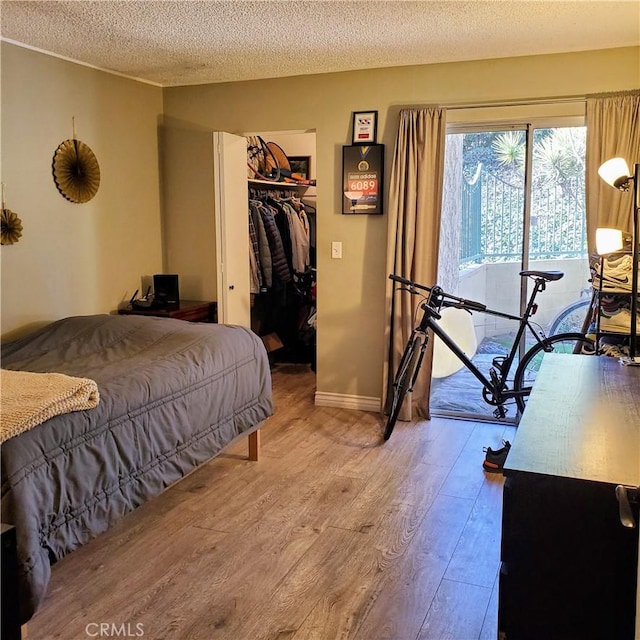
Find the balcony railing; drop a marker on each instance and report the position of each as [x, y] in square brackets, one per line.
[492, 213]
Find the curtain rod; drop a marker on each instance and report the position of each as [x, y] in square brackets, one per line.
[521, 103]
[541, 101]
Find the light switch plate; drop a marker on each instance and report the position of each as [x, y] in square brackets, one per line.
[336, 249]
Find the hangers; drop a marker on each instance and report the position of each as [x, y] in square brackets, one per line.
[276, 194]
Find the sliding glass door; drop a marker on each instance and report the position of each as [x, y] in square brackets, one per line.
[513, 200]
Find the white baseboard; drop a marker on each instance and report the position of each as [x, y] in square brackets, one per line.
[342, 401]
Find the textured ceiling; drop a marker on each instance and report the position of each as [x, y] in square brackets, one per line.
[173, 43]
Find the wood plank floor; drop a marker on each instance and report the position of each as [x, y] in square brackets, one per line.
[332, 534]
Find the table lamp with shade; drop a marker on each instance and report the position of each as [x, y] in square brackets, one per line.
[616, 173]
[608, 241]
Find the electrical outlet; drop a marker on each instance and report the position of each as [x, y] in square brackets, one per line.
[336, 249]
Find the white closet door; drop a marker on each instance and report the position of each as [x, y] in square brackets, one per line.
[232, 228]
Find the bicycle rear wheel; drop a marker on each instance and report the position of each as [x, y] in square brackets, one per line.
[571, 318]
[530, 364]
[403, 380]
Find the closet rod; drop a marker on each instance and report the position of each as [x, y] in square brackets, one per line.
[521, 103]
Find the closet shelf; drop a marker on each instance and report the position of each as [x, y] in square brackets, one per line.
[279, 185]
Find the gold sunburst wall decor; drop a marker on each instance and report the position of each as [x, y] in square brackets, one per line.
[10, 226]
[76, 171]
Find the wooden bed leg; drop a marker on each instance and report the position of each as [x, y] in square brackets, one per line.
[254, 445]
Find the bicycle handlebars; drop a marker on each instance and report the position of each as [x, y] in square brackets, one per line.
[460, 303]
[409, 283]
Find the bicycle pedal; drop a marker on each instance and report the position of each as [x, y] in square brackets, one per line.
[500, 412]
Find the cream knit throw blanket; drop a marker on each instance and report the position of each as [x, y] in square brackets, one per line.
[28, 399]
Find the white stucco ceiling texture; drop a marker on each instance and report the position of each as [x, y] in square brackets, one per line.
[172, 43]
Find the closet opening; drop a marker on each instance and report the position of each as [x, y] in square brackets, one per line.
[281, 170]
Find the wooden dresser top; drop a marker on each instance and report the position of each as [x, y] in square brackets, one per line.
[582, 421]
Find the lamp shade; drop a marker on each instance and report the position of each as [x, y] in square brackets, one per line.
[615, 172]
[608, 240]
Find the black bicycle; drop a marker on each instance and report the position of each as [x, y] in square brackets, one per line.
[497, 388]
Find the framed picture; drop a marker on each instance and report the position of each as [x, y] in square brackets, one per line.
[362, 178]
[365, 127]
[300, 165]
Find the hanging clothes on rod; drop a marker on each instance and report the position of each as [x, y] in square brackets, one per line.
[282, 260]
[280, 236]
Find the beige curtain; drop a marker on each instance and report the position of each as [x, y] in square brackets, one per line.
[415, 198]
[613, 129]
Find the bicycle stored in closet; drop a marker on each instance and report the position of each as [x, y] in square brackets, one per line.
[497, 388]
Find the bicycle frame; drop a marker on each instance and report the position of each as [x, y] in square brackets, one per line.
[496, 386]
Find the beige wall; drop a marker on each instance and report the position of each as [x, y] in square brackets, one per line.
[351, 291]
[76, 259]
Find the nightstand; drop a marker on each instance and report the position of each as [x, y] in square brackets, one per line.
[189, 310]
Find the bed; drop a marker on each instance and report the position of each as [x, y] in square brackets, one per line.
[171, 396]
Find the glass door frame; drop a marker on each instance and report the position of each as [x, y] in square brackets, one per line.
[528, 127]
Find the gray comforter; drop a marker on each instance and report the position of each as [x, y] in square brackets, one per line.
[172, 395]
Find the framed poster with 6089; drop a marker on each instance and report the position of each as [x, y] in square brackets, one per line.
[362, 178]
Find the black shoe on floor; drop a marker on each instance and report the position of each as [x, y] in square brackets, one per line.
[506, 445]
[494, 460]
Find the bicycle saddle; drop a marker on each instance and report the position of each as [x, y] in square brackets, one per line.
[545, 275]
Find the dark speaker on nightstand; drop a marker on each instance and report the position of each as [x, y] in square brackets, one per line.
[165, 288]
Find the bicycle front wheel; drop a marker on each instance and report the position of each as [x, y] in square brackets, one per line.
[530, 364]
[403, 380]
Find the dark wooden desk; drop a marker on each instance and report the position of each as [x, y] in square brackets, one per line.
[189, 310]
[569, 568]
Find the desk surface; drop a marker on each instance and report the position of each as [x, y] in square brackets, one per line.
[582, 421]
